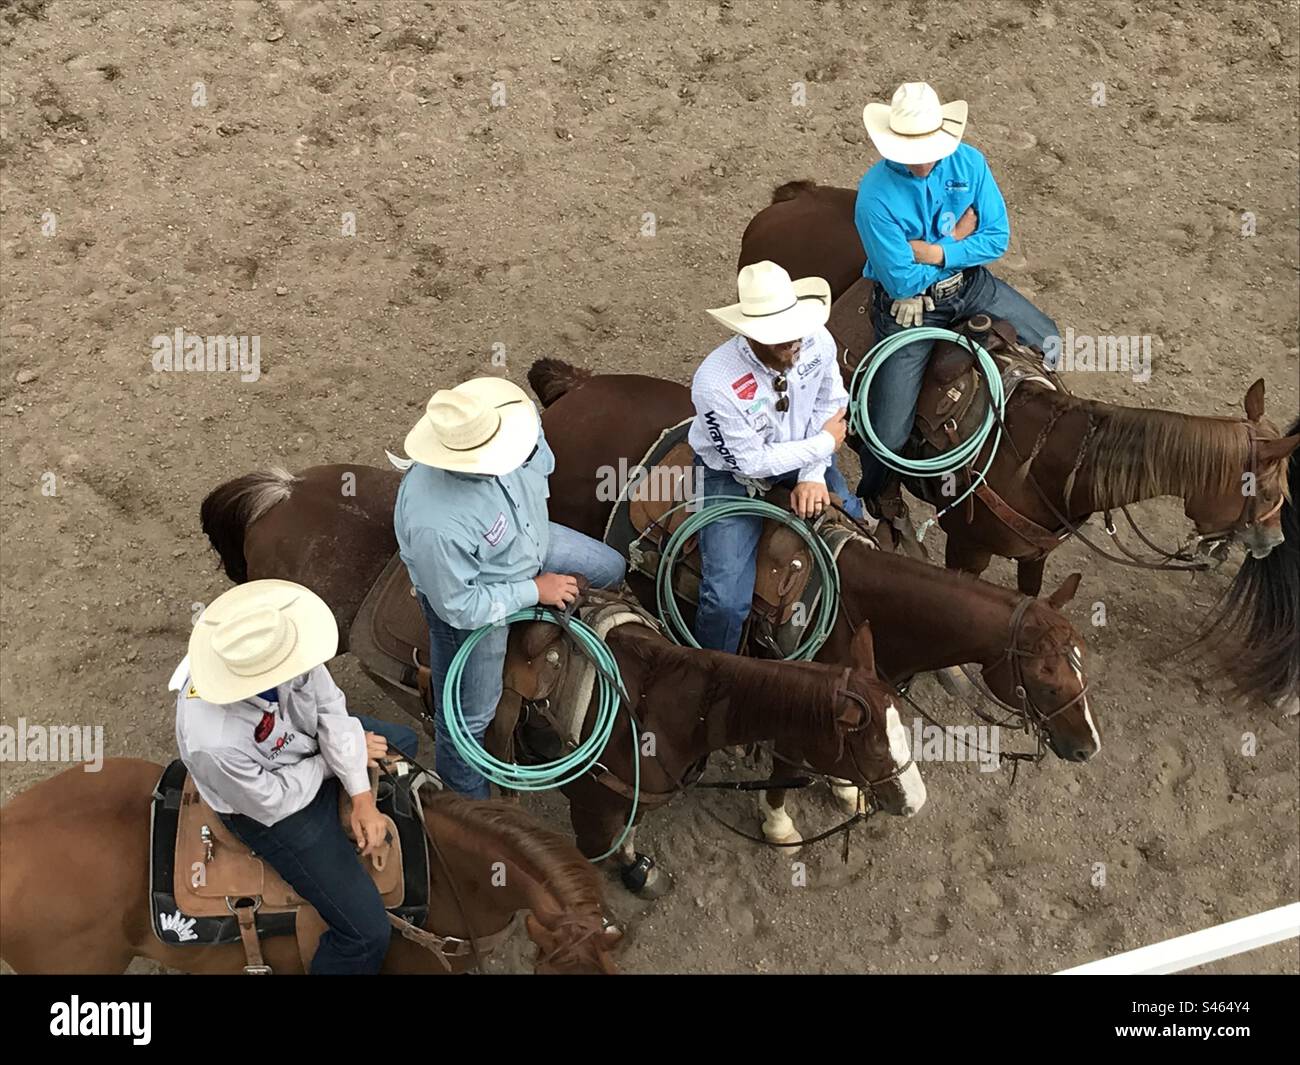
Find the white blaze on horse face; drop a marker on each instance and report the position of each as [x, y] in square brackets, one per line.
[1087, 717]
[911, 783]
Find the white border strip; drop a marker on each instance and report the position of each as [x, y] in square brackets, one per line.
[1198, 948]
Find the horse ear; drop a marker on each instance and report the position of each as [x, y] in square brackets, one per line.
[1065, 593]
[1271, 451]
[1255, 401]
[862, 651]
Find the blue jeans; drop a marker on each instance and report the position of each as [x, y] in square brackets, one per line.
[728, 554]
[897, 384]
[319, 862]
[480, 684]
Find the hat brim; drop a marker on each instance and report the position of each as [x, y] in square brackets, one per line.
[810, 312]
[928, 148]
[512, 443]
[316, 631]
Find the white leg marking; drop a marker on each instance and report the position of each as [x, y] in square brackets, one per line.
[777, 825]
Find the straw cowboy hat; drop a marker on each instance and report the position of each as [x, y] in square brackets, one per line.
[772, 308]
[258, 635]
[487, 426]
[914, 127]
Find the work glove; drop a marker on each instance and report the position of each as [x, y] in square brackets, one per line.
[911, 311]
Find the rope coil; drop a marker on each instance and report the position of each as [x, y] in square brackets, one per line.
[962, 454]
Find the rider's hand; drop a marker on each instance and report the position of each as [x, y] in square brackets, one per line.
[837, 426]
[376, 748]
[966, 224]
[911, 311]
[556, 589]
[809, 499]
[368, 825]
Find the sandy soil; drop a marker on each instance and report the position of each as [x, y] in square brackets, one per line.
[522, 225]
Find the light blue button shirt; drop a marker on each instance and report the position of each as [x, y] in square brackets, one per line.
[894, 206]
[473, 544]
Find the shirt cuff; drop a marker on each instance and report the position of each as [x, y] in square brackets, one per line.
[526, 594]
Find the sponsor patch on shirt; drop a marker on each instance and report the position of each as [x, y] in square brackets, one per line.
[264, 727]
[745, 387]
[494, 535]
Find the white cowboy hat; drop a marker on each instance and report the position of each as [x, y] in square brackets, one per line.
[258, 635]
[487, 426]
[914, 127]
[772, 308]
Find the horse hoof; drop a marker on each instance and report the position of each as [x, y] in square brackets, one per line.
[956, 683]
[643, 879]
[847, 798]
[788, 837]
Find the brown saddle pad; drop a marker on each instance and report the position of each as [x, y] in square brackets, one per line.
[212, 866]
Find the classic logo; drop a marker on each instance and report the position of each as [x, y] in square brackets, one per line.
[494, 535]
[805, 368]
[746, 387]
[264, 727]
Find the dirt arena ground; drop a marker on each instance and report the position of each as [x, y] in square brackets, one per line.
[500, 161]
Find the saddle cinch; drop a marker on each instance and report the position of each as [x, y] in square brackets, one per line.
[208, 888]
[785, 577]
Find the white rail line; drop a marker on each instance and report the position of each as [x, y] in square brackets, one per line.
[1198, 948]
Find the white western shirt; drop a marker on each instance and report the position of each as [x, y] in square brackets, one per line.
[267, 760]
[737, 428]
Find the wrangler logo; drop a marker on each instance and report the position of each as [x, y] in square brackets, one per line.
[494, 535]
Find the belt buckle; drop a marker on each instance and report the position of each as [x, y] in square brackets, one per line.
[947, 285]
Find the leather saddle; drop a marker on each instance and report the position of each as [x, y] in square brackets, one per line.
[209, 888]
[785, 578]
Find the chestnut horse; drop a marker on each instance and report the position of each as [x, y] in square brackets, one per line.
[1084, 456]
[922, 617]
[841, 722]
[75, 893]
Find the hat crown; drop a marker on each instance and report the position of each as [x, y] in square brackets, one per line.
[254, 640]
[461, 421]
[765, 288]
[915, 109]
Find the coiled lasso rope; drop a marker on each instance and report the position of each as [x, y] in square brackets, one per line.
[961, 454]
[718, 507]
[570, 766]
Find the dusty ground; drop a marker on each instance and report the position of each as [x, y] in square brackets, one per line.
[522, 226]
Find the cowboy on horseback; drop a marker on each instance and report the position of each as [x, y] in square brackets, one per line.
[472, 528]
[266, 735]
[769, 410]
[930, 215]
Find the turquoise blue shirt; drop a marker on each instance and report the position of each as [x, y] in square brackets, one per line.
[894, 207]
[473, 544]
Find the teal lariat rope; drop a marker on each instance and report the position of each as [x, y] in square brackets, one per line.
[568, 767]
[719, 507]
[960, 455]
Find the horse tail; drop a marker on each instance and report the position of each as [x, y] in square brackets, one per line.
[792, 190]
[551, 378]
[230, 508]
[1261, 609]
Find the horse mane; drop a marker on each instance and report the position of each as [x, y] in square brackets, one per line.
[1260, 612]
[1138, 454]
[550, 858]
[784, 694]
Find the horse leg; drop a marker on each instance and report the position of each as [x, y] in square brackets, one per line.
[967, 554]
[777, 826]
[848, 797]
[596, 828]
[1029, 575]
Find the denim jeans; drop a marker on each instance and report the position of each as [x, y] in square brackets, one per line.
[480, 684]
[317, 860]
[729, 553]
[897, 384]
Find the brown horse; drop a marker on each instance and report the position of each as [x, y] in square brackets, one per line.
[75, 893]
[1083, 455]
[841, 722]
[922, 617]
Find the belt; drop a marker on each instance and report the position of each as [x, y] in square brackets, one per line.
[947, 287]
